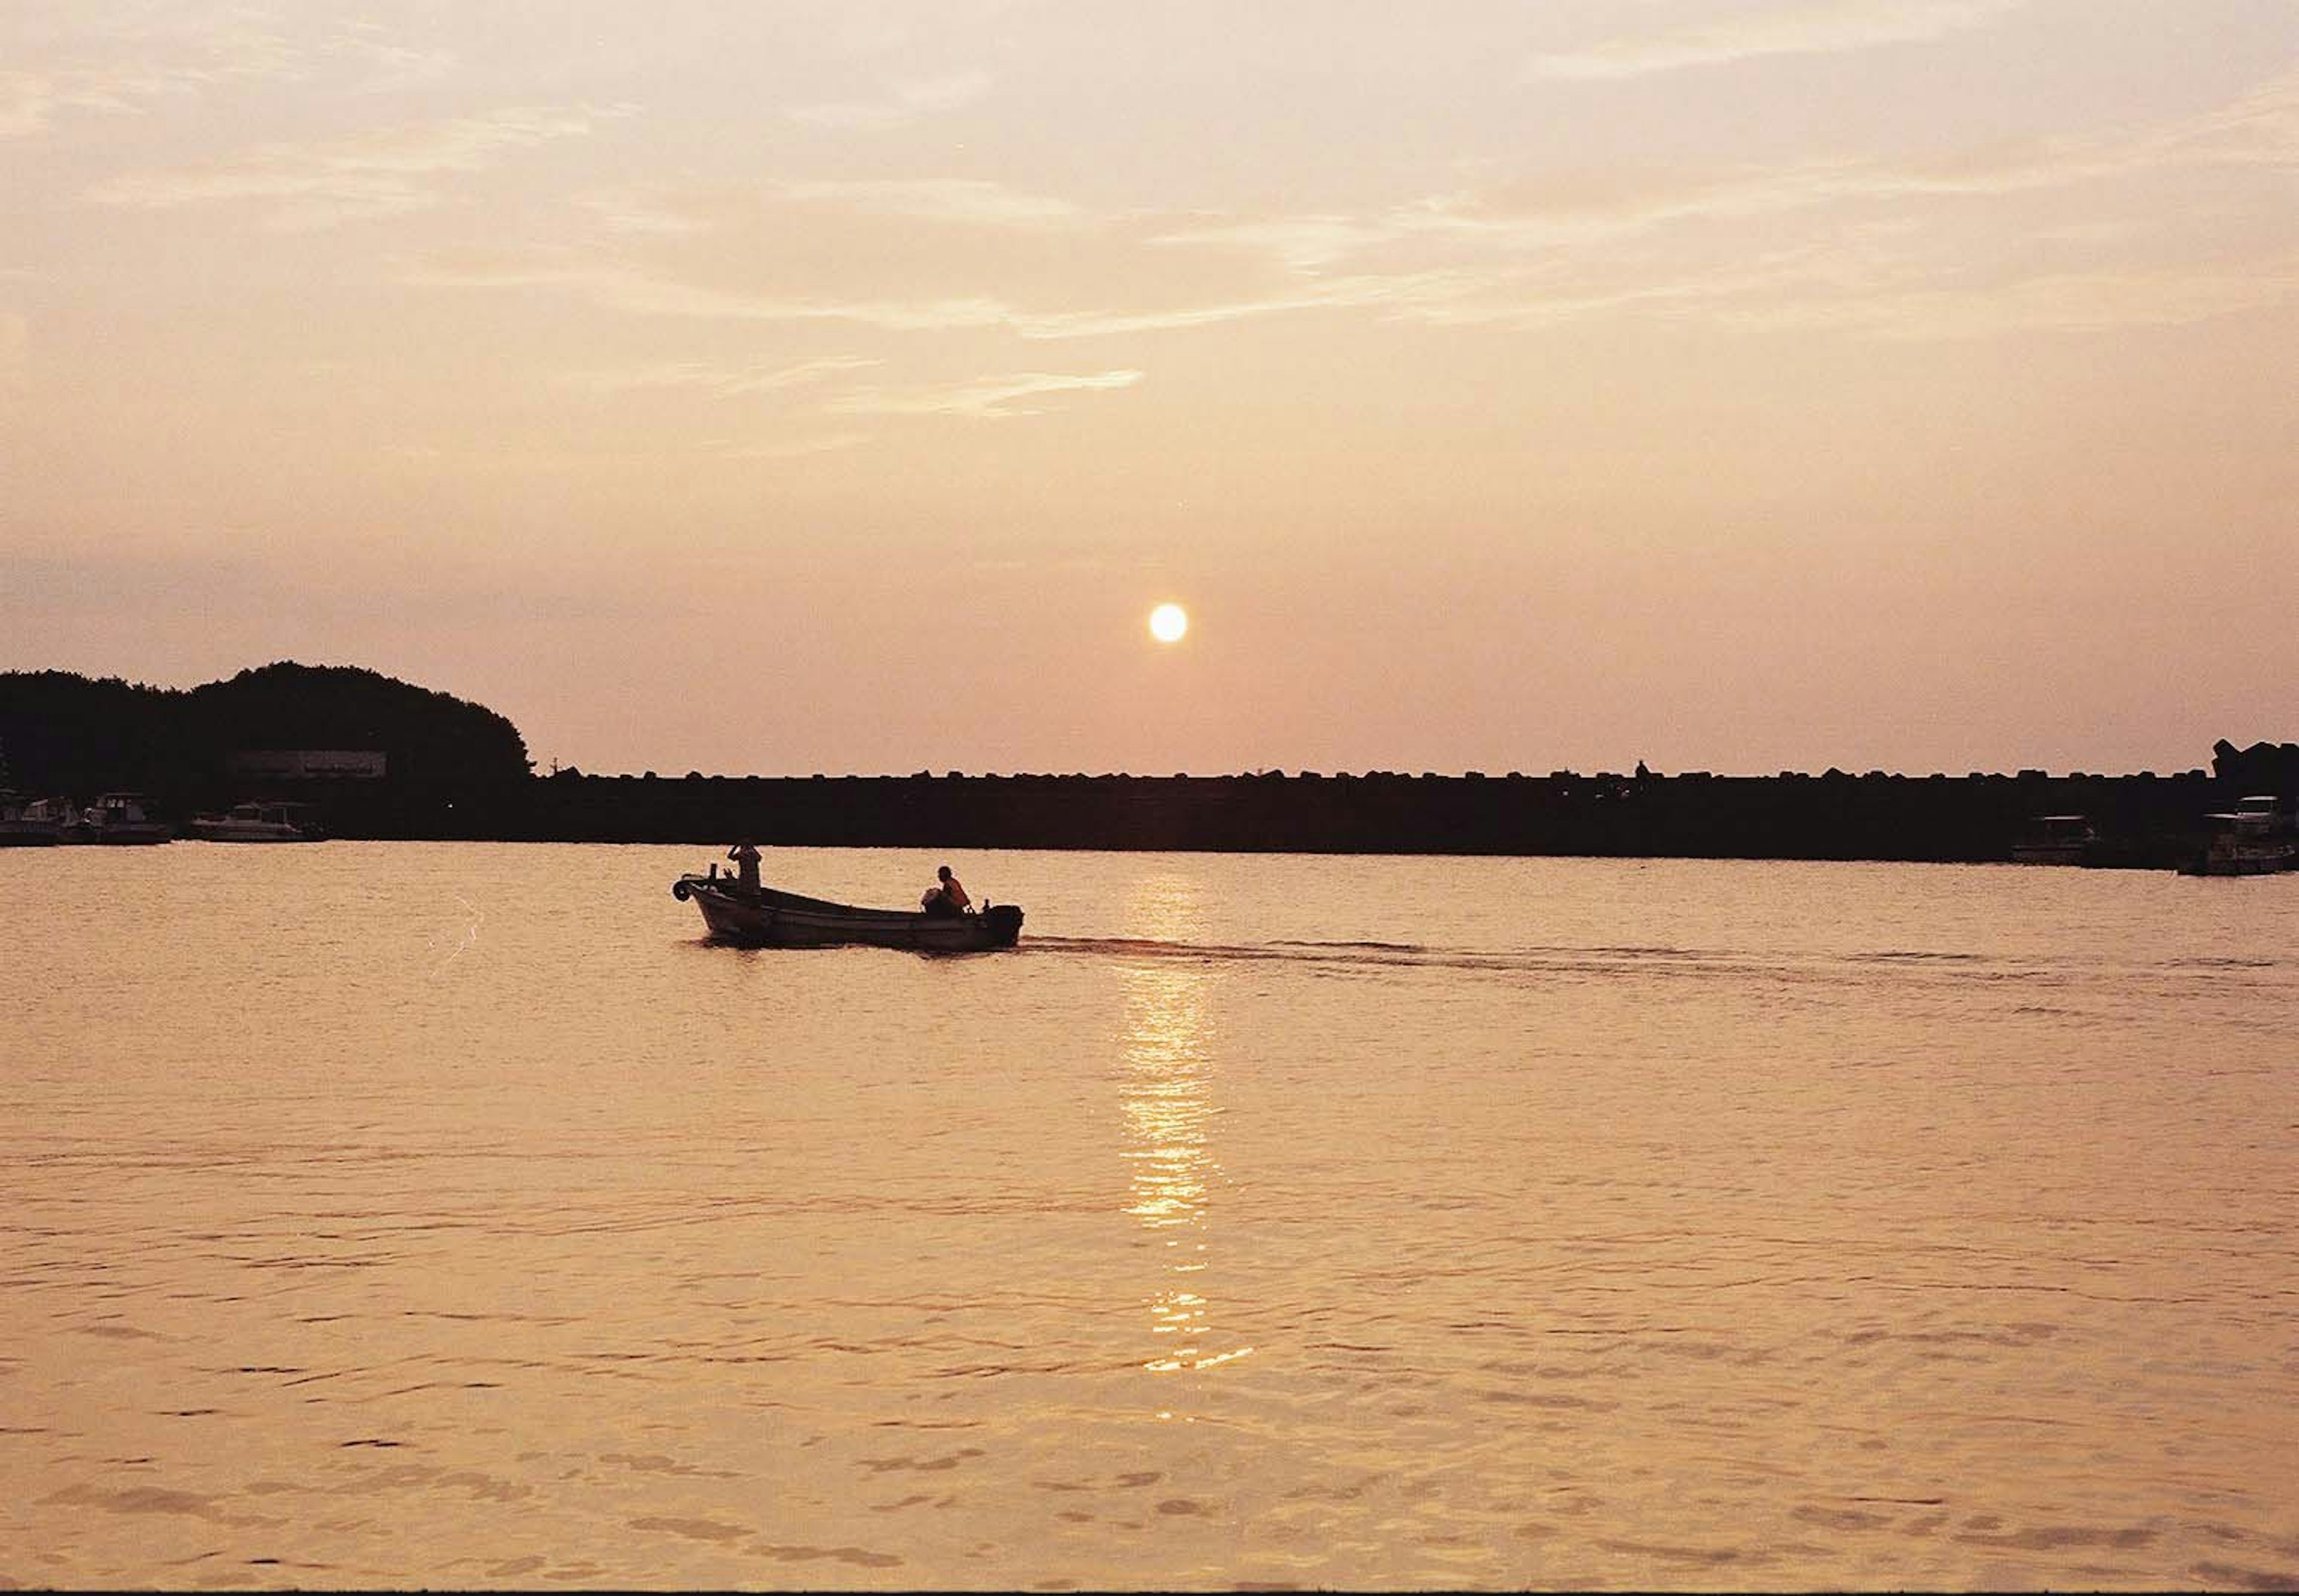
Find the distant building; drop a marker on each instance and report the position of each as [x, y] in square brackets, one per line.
[310, 764]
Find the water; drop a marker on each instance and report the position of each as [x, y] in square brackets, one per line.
[401, 1215]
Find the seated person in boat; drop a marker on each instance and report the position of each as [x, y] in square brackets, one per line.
[746, 856]
[949, 897]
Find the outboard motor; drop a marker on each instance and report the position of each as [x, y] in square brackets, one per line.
[1005, 923]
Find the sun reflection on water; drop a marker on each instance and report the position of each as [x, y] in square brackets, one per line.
[1166, 1097]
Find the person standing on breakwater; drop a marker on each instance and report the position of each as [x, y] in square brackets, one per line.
[746, 856]
[948, 898]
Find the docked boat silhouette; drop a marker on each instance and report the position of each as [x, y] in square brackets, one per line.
[2252, 841]
[260, 822]
[121, 820]
[767, 917]
[27, 825]
[2056, 840]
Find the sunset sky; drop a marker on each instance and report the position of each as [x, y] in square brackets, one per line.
[786, 386]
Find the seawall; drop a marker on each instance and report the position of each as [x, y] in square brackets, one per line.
[2142, 821]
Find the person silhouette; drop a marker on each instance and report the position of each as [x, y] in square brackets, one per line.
[947, 898]
[746, 856]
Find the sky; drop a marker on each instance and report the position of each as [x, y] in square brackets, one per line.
[782, 387]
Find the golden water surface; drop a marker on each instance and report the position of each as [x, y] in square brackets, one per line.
[397, 1213]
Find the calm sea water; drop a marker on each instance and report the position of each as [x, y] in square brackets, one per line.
[394, 1214]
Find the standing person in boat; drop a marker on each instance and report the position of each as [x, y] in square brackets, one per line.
[746, 856]
[948, 898]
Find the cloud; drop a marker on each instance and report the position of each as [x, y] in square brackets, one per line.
[2065, 301]
[2258, 130]
[1810, 30]
[901, 104]
[972, 201]
[26, 102]
[624, 212]
[985, 398]
[726, 382]
[628, 288]
[132, 71]
[938, 199]
[1735, 246]
[1299, 243]
[796, 448]
[389, 68]
[380, 174]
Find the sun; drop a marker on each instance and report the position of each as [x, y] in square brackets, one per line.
[1167, 622]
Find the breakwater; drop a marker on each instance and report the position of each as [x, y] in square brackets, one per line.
[2140, 821]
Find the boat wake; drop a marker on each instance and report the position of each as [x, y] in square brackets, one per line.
[1390, 956]
[1813, 969]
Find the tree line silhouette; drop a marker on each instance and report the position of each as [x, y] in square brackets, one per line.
[67, 734]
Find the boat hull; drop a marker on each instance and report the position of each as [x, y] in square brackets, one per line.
[777, 920]
[2247, 863]
[131, 833]
[249, 831]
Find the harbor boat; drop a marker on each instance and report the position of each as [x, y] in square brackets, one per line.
[2251, 841]
[61, 817]
[260, 822]
[2056, 840]
[767, 917]
[20, 828]
[120, 819]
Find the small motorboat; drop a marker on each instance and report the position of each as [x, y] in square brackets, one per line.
[2252, 841]
[121, 820]
[20, 827]
[59, 817]
[260, 822]
[2056, 840]
[765, 917]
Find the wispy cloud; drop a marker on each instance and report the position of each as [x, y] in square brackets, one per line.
[630, 289]
[1730, 245]
[381, 173]
[635, 213]
[26, 99]
[901, 103]
[118, 70]
[1810, 30]
[985, 398]
[795, 448]
[1545, 217]
[2068, 302]
[724, 381]
[387, 67]
[938, 199]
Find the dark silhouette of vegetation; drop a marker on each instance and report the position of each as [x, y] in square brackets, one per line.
[66, 734]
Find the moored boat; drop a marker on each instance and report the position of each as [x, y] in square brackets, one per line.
[2055, 839]
[60, 817]
[121, 818]
[764, 917]
[20, 828]
[2252, 841]
[260, 822]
